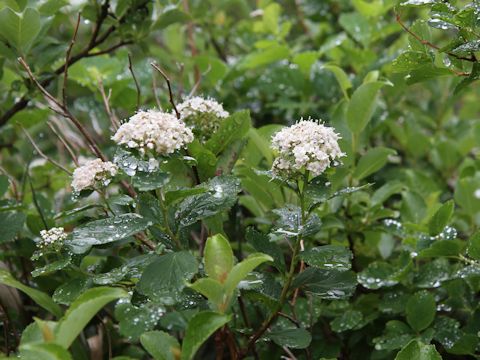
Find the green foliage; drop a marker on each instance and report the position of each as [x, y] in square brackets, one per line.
[205, 251]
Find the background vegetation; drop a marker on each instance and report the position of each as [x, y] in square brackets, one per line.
[399, 217]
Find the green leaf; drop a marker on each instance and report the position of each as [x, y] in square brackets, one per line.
[327, 284]
[465, 195]
[70, 290]
[160, 345]
[421, 309]
[235, 127]
[218, 258]
[264, 57]
[38, 296]
[37, 351]
[348, 320]
[441, 218]
[473, 248]
[362, 105]
[410, 60]
[442, 248]
[378, 274]
[241, 270]
[220, 196]
[135, 320]
[106, 231]
[146, 181]
[372, 161]
[210, 288]
[342, 78]
[10, 224]
[164, 279]
[20, 29]
[416, 350]
[52, 267]
[297, 338]
[170, 17]
[176, 195]
[262, 243]
[328, 257]
[4, 184]
[199, 329]
[82, 311]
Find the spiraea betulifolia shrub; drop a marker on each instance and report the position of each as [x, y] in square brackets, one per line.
[316, 195]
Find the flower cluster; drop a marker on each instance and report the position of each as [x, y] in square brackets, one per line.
[153, 130]
[307, 145]
[204, 116]
[92, 173]
[52, 238]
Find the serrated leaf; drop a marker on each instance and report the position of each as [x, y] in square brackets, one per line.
[346, 321]
[107, 230]
[421, 309]
[328, 257]
[164, 279]
[262, 243]
[418, 351]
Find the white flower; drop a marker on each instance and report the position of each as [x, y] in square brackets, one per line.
[154, 130]
[202, 115]
[93, 172]
[307, 145]
[53, 237]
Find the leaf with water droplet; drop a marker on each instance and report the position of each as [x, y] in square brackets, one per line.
[378, 274]
[346, 321]
[135, 320]
[52, 267]
[147, 181]
[420, 310]
[164, 279]
[418, 351]
[328, 257]
[296, 338]
[105, 231]
[327, 284]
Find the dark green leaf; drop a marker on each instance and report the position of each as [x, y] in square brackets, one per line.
[421, 309]
[328, 257]
[441, 218]
[10, 224]
[297, 338]
[327, 284]
[160, 345]
[372, 161]
[418, 351]
[262, 243]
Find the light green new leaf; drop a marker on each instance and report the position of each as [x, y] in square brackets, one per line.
[473, 249]
[372, 161]
[341, 77]
[233, 128]
[421, 309]
[218, 257]
[82, 311]
[441, 218]
[362, 105]
[48, 351]
[241, 270]
[160, 345]
[265, 56]
[170, 17]
[416, 350]
[38, 296]
[20, 29]
[211, 289]
[199, 329]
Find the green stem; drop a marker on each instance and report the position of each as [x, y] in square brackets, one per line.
[161, 200]
[288, 280]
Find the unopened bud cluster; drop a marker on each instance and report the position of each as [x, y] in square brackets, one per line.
[52, 238]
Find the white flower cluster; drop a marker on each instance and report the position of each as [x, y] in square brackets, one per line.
[153, 130]
[307, 145]
[93, 172]
[53, 237]
[202, 115]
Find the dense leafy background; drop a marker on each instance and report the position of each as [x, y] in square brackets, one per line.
[391, 248]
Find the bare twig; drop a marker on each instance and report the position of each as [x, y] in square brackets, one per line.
[67, 59]
[106, 103]
[14, 183]
[64, 142]
[170, 93]
[130, 67]
[197, 84]
[154, 90]
[42, 154]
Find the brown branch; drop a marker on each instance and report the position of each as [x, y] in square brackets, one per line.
[154, 90]
[130, 67]
[64, 142]
[428, 43]
[42, 154]
[67, 58]
[109, 50]
[170, 93]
